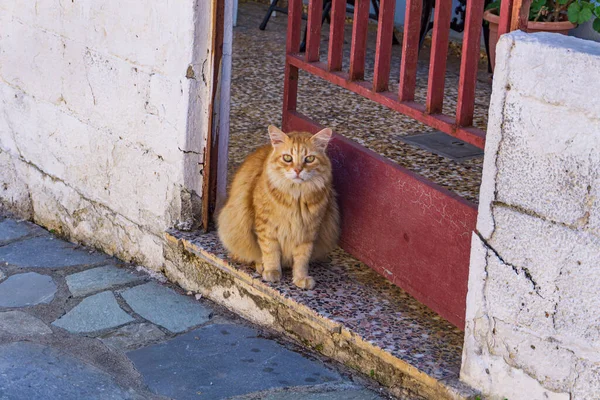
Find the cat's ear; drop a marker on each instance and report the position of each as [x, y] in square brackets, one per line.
[277, 135]
[321, 138]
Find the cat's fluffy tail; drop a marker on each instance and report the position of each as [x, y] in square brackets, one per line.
[236, 232]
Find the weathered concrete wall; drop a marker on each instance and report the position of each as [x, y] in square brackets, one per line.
[103, 117]
[533, 320]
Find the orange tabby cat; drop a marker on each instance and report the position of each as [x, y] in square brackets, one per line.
[281, 208]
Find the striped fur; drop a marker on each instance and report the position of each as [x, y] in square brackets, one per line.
[282, 209]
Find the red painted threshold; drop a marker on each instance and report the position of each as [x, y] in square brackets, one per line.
[410, 230]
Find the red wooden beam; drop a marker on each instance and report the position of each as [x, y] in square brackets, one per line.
[290, 83]
[440, 122]
[358, 47]
[427, 254]
[336, 35]
[410, 50]
[383, 52]
[469, 63]
[506, 7]
[439, 53]
[294, 26]
[520, 15]
[313, 36]
[209, 184]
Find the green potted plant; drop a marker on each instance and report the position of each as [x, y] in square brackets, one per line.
[557, 16]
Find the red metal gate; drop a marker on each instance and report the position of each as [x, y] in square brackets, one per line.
[412, 231]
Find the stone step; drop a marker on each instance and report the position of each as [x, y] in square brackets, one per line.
[353, 315]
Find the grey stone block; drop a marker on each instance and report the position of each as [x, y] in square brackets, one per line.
[32, 371]
[220, 361]
[165, 307]
[22, 324]
[132, 336]
[93, 280]
[48, 252]
[97, 312]
[11, 230]
[27, 289]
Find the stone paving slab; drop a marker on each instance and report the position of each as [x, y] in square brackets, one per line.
[48, 252]
[26, 289]
[133, 336]
[32, 371]
[94, 313]
[224, 360]
[332, 394]
[12, 230]
[101, 278]
[165, 307]
[20, 323]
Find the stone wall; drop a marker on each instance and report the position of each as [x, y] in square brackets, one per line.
[533, 319]
[103, 110]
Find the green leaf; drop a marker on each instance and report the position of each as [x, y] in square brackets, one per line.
[573, 13]
[584, 15]
[597, 11]
[562, 2]
[535, 8]
[587, 5]
[494, 5]
[596, 25]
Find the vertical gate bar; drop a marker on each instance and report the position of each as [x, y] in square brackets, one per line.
[515, 14]
[410, 50]
[468, 63]
[290, 83]
[336, 35]
[439, 53]
[506, 7]
[313, 38]
[383, 49]
[294, 26]
[359, 39]
[520, 15]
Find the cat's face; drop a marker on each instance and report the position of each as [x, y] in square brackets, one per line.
[299, 158]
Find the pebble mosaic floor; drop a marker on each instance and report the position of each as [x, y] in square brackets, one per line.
[353, 295]
[348, 291]
[257, 95]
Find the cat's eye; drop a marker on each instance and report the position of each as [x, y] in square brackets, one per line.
[309, 159]
[287, 158]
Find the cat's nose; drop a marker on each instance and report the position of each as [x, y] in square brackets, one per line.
[297, 171]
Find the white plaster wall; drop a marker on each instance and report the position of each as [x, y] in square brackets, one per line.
[533, 306]
[103, 104]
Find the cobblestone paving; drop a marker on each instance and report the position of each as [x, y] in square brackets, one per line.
[78, 324]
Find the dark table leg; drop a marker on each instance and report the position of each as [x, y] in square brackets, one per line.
[326, 11]
[272, 8]
[426, 24]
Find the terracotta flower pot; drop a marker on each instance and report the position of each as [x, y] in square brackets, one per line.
[562, 27]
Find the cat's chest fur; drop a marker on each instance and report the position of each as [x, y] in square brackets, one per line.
[298, 222]
[295, 225]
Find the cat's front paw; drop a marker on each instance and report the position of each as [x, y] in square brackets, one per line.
[305, 283]
[272, 275]
[259, 267]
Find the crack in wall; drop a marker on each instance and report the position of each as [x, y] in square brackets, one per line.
[144, 67]
[190, 152]
[575, 227]
[82, 196]
[526, 273]
[105, 130]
